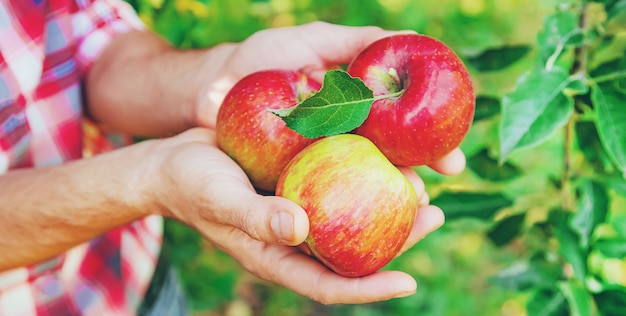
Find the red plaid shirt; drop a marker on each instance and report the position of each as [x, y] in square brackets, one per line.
[46, 46]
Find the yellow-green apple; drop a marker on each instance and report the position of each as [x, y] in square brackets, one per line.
[436, 102]
[256, 139]
[361, 208]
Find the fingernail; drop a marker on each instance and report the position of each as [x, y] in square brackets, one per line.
[282, 226]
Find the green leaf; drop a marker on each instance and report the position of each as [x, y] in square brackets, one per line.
[486, 107]
[560, 30]
[524, 275]
[591, 146]
[547, 302]
[611, 302]
[489, 169]
[577, 86]
[554, 116]
[611, 248]
[537, 93]
[342, 104]
[464, 204]
[498, 58]
[617, 8]
[609, 56]
[569, 243]
[579, 299]
[505, 230]
[591, 210]
[611, 122]
[619, 224]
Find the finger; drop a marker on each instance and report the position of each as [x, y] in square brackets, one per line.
[308, 277]
[269, 219]
[199, 134]
[337, 44]
[451, 164]
[303, 274]
[417, 182]
[428, 219]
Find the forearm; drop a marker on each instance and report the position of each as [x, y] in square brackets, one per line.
[144, 86]
[45, 211]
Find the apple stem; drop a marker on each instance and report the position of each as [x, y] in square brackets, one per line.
[393, 73]
[394, 94]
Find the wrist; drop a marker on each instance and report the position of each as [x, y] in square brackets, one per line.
[216, 81]
[142, 181]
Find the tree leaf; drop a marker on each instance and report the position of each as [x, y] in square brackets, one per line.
[569, 243]
[579, 299]
[524, 275]
[577, 86]
[591, 209]
[342, 104]
[559, 30]
[533, 94]
[505, 230]
[465, 204]
[591, 146]
[489, 169]
[611, 302]
[619, 224]
[611, 248]
[486, 107]
[498, 58]
[547, 302]
[554, 116]
[611, 122]
[617, 8]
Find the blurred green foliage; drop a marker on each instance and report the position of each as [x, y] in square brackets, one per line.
[540, 231]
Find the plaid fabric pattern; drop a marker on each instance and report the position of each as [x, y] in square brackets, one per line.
[46, 46]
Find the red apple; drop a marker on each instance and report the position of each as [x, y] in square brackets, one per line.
[361, 208]
[256, 139]
[435, 109]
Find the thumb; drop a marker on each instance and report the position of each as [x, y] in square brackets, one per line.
[270, 219]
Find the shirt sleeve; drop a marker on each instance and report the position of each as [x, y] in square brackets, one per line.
[96, 23]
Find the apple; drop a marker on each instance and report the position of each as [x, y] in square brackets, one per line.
[255, 138]
[361, 208]
[435, 107]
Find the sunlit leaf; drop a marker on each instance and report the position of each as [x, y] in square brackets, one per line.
[555, 115]
[525, 106]
[523, 275]
[560, 30]
[477, 205]
[547, 302]
[591, 210]
[577, 86]
[611, 121]
[342, 104]
[611, 248]
[619, 223]
[579, 299]
[617, 7]
[569, 243]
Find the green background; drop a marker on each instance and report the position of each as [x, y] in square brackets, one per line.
[455, 265]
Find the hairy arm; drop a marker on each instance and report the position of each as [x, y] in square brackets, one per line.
[45, 211]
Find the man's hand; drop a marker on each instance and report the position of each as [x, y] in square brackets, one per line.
[201, 186]
[311, 49]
